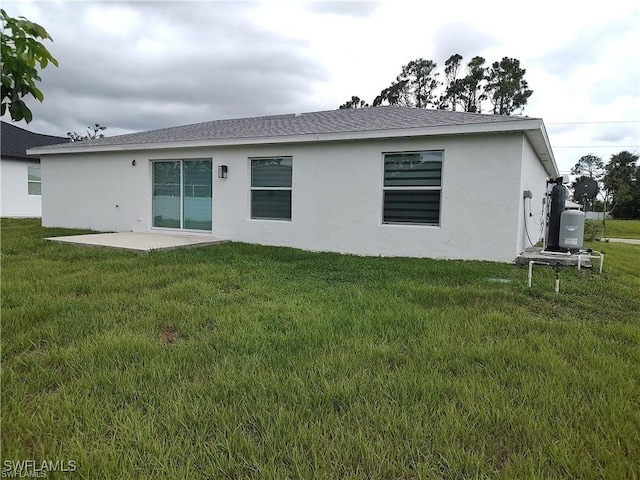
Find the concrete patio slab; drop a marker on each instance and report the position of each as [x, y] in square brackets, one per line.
[139, 242]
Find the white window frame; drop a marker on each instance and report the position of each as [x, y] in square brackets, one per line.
[412, 188]
[279, 189]
[34, 182]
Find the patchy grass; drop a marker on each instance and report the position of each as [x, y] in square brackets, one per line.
[242, 361]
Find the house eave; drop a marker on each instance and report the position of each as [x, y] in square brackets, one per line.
[532, 128]
[540, 142]
[20, 158]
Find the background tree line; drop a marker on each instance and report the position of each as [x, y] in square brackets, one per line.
[618, 182]
[463, 87]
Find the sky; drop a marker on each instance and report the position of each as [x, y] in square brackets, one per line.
[138, 65]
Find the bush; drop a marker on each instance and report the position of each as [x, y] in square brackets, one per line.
[593, 230]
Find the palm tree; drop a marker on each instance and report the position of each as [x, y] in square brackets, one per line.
[620, 180]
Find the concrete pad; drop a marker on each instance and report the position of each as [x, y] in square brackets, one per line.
[536, 255]
[139, 242]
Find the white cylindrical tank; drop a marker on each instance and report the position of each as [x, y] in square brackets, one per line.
[571, 229]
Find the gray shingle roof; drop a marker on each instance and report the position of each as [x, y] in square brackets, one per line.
[327, 122]
[16, 141]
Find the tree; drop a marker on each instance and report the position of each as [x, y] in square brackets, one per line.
[471, 86]
[22, 54]
[93, 131]
[422, 77]
[589, 165]
[414, 87]
[355, 102]
[418, 85]
[396, 94]
[622, 180]
[506, 87]
[452, 85]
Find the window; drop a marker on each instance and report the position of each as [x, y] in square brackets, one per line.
[412, 185]
[271, 188]
[34, 180]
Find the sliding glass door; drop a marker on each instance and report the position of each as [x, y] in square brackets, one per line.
[166, 194]
[182, 194]
[196, 198]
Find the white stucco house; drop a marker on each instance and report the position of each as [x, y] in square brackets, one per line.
[20, 181]
[388, 181]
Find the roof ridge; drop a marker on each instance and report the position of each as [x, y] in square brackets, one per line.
[338, 111]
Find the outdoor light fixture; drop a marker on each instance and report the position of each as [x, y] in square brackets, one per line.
[222, 171]
[133, 162]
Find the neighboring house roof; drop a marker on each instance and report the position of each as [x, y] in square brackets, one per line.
[16, 141]
[341, 124]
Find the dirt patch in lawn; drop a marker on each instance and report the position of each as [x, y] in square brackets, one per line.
[169, 335]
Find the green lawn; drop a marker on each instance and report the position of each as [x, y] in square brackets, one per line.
[622, 228]
[242, 361]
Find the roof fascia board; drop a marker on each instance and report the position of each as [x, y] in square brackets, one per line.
[500, 127]
[539, 141]
[18, 158]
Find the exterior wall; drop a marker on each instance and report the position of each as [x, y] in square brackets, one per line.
[533, 177]
[15, 199]
[99, 191]
[337, 196]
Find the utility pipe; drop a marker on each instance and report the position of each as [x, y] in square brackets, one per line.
[531, 263]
